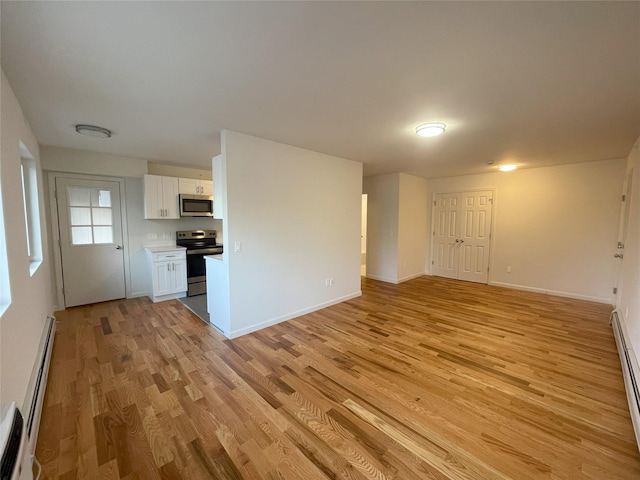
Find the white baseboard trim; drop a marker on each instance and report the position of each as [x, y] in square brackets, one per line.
[289, 316]
[382, 279]
[552, 292]
[396, 281]
[138, 294]
[410, 277]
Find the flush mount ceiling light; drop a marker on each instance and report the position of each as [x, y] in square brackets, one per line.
[508, 167]
[93, 131]
[430, 129]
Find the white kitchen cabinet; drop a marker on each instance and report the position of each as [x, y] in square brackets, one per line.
[194, 186]
[168, 273]
[160, 197]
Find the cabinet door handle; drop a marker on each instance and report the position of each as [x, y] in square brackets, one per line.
[168, 267]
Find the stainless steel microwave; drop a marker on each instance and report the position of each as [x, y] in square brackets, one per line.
[196, 205]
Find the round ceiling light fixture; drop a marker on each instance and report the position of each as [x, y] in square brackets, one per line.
[509, 167]
[93, 131]
[432, 129]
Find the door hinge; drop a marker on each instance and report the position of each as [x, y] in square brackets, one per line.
[434, 203]
[431, 262]
[491, 201]
[434, 233]
[624, 197]
[615, 290]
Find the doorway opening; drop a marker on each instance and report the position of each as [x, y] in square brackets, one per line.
[363, 237]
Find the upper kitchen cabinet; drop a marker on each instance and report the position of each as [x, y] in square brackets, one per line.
[160, 197]
[193, 186]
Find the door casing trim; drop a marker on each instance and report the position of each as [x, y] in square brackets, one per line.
[55, 231]
[494, 190]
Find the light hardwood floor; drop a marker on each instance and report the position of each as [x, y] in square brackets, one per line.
[430, 379]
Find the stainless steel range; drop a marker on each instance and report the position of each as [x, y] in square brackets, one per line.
[198, 244]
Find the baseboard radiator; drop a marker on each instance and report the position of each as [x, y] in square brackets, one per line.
[630, 370]
[34, 400]
[19, 433]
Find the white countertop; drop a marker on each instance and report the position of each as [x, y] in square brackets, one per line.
[164, 248]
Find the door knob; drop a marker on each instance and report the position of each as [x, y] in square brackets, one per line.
[118, 247]
[618, 255]
[461, 241]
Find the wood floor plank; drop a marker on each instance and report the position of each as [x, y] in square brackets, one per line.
[429, 379]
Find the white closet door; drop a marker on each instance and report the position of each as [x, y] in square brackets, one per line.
[475, 238]
[446, 239]
[462, 235]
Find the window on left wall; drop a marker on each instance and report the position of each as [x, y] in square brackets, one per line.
[5, 285]
[31, 202]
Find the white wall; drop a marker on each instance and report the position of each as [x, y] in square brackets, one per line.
[59, 159]
[383, 194]
[176, 171]
[21, 325]
[297, 216]
[141, 232]
[412, 227]
[556, 227]
[396, 226]
[628, 302]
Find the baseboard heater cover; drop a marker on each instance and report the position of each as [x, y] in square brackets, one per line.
[15, 460]
[34, 400]
[630, 371]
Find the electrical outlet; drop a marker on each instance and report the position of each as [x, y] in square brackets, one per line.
[326, 282]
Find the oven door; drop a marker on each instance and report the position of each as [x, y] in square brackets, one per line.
[196, 273]
[196, 266]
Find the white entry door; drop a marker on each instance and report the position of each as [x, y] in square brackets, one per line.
[462, 235]
[90, 240]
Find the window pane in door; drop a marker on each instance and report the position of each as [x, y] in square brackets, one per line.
[102, 216]
[102, 234]
[100, 198]
[80, 216]
[79, 196]
[81, 235]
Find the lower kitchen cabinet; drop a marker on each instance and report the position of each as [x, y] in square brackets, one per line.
[168, 273]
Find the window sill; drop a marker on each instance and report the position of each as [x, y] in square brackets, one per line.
[33, 266]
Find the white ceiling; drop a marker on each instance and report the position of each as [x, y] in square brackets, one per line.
[536, 83]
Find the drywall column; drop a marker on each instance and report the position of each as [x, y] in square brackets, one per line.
[413, 212]
[291, 230]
